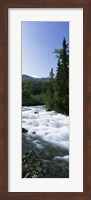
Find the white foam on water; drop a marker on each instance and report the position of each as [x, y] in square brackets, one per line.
[62, 158]
[49, 125]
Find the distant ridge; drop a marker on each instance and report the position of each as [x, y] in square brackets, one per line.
[26, 77]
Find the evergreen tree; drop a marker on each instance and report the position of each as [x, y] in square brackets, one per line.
[62, 80]
[50, 92]
[51, 74]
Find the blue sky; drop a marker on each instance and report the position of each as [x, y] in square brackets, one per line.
[39, 39]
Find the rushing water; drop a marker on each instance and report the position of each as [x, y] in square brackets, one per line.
[48, 135]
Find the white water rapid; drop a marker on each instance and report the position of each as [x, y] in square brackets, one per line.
[48, 132]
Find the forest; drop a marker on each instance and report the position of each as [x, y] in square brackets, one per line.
[53, 91]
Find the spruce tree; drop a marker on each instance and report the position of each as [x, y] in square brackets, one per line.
[62, 79]
[50, 92]
[51, 74]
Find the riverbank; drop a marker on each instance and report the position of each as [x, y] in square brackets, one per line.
[34, 167]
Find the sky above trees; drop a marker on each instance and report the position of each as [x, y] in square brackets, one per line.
[39, 40]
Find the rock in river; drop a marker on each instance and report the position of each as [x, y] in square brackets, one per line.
[36, 112]
[24, 130]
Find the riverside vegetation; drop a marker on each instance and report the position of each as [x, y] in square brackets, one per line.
[53, 92]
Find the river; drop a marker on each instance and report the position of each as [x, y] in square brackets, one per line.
[48, 135]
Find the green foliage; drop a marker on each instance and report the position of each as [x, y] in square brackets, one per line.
[33, 92]
[62, 80]
[57, 96]
[32, 165]
[49, 98]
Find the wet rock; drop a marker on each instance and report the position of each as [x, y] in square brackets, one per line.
[33, 132]
[36, 112]
[48, 110]
[24, 130]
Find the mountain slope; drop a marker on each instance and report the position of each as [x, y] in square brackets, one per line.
[26, 77]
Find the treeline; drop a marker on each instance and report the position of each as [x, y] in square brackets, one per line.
[54, 93]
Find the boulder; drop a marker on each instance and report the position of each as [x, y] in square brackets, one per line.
[36, 112]
[48, 110]
[24, 130]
